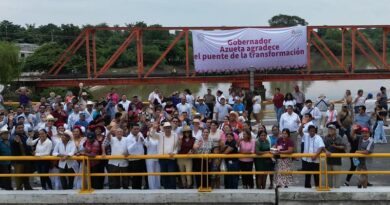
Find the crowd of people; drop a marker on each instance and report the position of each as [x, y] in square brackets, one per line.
[75, 125]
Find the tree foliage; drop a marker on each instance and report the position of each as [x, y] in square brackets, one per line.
[9, 63]
[286, 20]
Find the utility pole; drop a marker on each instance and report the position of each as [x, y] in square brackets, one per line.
[252, 78]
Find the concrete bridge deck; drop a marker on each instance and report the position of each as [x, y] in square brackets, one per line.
[289, 196]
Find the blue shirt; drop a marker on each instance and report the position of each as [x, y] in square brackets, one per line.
[5, 150]
[239, 107]
[363, 120]
[203, 109]
[82, 123]
[273, 140]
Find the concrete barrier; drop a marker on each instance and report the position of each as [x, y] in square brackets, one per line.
[341, 196]
[193, 197]
[290, 196]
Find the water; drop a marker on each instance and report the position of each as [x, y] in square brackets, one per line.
[334, 90]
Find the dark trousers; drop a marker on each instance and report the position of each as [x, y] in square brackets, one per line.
[211, 108]
[168, 165]
[116, 182]
[67, 182]
[352, 168]
[247, 180]
[136, 166]
[347, 132]
[310, 166]
[5, 182]
[43, 168]
[197, 167]
[96, 182]
[22, 182]
[231, 181]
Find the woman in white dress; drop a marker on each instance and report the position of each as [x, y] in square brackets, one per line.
[256, 106]
[152, 165]
[79, 140]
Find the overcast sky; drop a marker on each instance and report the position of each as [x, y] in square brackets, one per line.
[194, 12]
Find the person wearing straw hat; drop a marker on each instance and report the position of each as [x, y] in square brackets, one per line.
[334, 144]
[5, 166]
[186, 144]
[89, 110]
[168, 145]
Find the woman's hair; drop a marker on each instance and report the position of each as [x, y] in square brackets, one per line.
[248, 132]
[261, 132]
[287, 131]
[286, 97]
[43, 130]
[275, 126]
[215, 123]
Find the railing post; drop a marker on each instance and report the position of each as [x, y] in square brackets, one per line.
[86, 177]
[323, 174]
[202, 188]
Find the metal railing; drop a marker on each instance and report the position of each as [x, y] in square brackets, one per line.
[86, 168]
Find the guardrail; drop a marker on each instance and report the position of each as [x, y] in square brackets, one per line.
[86, 173]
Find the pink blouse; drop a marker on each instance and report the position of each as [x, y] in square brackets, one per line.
[223, 137]
[247, 147]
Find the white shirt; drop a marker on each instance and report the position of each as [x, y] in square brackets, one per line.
[305, 128]
[329, 114]
[360, 100]
[134, 146]
[222, 111]
[151, 97]
[290, 122]
[315, 113]
[286, 103]
[125, 104]
[257, 99]
[370, 106]
[166, 145]
[218, 99]
[42, 149]
[190, 99]
[311, 145]
[152, 147]
[72, 119]
[68, 150]
[184, 108]
[197, 135]
[118, 147]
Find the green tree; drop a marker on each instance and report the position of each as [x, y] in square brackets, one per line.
[9, 63]
[43, 58]
[286, 20]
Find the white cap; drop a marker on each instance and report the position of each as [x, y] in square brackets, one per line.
[167, 124]
[4, 129]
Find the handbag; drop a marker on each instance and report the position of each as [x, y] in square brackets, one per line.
[356, 161]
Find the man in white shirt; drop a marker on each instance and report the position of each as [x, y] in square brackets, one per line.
[219, 97]
[184, 107]
[168, 144]
[125, 102]
[222, 110]
[359, 100]
[312, 144]
[74, 116]
[135, 146]
[291, 121]
[64, 149]
[118, 147]
[314, 111]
